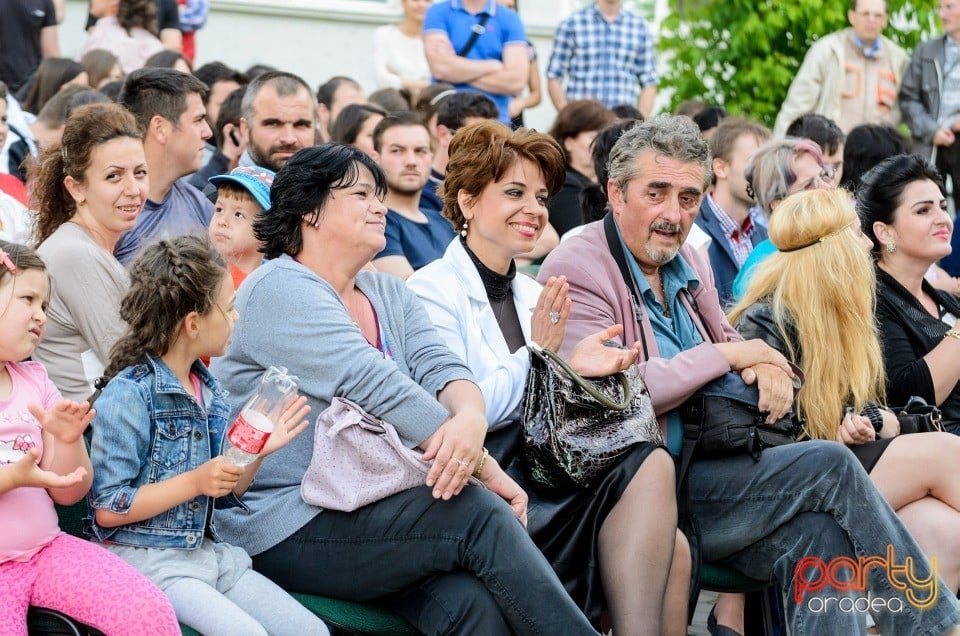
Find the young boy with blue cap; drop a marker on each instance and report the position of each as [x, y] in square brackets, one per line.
[242, 194]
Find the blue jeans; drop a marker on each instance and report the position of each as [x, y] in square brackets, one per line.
[810, 499]
[464, 566]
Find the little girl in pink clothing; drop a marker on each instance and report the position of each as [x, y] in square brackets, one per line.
[43, 461]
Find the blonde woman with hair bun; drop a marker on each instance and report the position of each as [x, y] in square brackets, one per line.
[813, 301]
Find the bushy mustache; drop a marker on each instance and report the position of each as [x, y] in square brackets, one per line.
[666, 226]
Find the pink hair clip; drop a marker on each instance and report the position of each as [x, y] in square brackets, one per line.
[6, 262]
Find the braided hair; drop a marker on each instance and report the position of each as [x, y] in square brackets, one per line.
[168, 281]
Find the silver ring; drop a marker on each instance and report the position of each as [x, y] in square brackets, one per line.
[459, 461]
[554, 317]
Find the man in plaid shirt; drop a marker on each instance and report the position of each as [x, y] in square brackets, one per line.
[606, 53]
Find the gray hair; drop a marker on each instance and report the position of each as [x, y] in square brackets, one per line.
[770, 171]
[286, 84]
[666, 135]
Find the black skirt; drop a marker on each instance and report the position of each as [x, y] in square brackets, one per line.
[869, 453]
[566, 527]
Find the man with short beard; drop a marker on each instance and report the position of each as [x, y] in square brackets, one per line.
[415, 235]
[277, 119]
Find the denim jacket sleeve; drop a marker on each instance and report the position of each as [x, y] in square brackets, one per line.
[120, 445]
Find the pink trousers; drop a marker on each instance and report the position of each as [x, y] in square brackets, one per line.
[87, 583]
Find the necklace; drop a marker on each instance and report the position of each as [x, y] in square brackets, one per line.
[663, 292]
[356, 305]
[500, 305]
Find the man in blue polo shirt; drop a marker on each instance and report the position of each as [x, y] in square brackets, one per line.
[168, 106]
[480, 45]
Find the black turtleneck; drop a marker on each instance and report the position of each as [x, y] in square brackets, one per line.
[500, 296]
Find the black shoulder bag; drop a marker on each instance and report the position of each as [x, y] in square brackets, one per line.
[477, 30]
[918, 417]
[576, 428]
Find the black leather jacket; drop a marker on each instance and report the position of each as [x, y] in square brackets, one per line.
[908, 333]
[758, 322]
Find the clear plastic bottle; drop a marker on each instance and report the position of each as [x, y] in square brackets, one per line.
[257, 419]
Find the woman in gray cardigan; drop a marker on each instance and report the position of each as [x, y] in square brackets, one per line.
[447, 557]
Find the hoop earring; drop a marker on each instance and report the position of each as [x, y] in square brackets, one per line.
[463, 230]
[891, 248]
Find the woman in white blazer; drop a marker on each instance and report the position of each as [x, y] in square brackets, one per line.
[456, 299]
[607, 546]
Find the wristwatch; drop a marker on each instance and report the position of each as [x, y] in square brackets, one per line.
[872, 412]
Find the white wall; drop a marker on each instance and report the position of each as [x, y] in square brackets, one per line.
[317, 39]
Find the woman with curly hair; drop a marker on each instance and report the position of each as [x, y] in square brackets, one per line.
[609, 555]
[87, 191]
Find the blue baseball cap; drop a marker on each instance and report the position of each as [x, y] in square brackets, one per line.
[253, 179]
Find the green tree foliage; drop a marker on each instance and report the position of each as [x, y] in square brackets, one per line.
[743, 54]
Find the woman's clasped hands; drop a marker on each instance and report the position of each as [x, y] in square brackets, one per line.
[456, 450]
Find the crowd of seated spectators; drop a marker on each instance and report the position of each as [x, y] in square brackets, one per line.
[168, 234]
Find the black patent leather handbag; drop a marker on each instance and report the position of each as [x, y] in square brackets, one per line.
[576, 428]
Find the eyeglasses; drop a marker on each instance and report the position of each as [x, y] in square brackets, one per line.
[228, 314]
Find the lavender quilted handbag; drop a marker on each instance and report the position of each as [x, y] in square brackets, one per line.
[358, 459]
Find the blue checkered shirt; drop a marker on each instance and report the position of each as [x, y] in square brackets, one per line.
[603, 60]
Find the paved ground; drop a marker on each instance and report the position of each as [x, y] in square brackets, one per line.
[699, 625]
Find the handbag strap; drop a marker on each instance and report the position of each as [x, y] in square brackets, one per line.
[587, 386]
[616, 250]
[691, 437]
[691, 431]
[477, 30]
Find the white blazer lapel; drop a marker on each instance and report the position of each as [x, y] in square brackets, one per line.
[484, 321]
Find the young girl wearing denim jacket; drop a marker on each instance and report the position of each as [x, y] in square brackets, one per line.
[156, 444]
[43, 461]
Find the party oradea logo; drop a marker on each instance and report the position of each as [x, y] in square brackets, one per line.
[840, 584]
